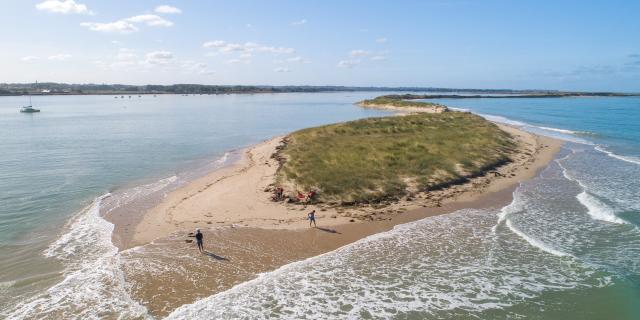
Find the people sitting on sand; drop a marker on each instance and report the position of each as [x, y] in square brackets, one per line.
[311, 195]
[199, 241]
[312, 218]
[301, 197]
[279, 194]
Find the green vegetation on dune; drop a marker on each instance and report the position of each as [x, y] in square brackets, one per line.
[394, 101]
[377, 159]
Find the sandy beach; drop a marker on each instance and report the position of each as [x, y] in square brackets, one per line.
[247, 233]
[239, 195]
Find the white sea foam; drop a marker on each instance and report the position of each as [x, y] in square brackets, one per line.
[629, 159]
[437, 267]
[222, 160]
[535, 242]
[502, 119]
[127, 196]
[565, 131]
[514, 206]
[598, 210]
[595, 208]
[562, 134]
[93, 285]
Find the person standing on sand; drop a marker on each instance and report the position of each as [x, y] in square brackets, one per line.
[312, 218]
[199, 240]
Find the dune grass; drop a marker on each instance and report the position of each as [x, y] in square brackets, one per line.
[398, 101]
[377, 159]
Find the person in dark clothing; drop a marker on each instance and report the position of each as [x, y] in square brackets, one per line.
[312, 218]
[199, 240]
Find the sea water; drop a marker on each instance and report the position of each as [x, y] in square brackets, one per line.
[567, 247]
[83, 155]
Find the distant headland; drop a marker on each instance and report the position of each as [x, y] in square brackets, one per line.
[52, 88]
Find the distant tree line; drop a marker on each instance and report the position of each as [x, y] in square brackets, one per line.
[52, 88]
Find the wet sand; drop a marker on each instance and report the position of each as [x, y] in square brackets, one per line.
[247, 234]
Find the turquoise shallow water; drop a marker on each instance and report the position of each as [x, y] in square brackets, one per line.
[55, 163]
[567, 247]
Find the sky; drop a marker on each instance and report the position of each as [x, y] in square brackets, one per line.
[563, 45]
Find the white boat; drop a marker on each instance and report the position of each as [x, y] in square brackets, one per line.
[29, 108]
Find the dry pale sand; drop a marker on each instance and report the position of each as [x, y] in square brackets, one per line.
[405, 110]
[236, 196]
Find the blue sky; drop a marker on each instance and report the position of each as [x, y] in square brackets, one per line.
[571, 45]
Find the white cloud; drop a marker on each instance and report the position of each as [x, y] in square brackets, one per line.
[196, 67]
[125, 54]
[350, 63]
[378, 58]
[299, 22]
[60, 57]
[151, 20]
[167, 9]
[247, 47]
[125, 58]
[64, 7]
[214, 44]
[29, 58]
[381, 40]
[282, 70]
[298, 59]
[359, 53]
[120, 26]
[239, 61]
[246, 56]
[158, 57]
[128, 25]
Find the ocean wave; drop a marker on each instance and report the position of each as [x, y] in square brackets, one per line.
[535, 242]
[629, 159]
[93, 285]
[504, 120]
[126, 196]
[565, 131]
[598, 210]
[447, 266]
[513, 207]
[222, 160]
[595, 208]
[562, 134]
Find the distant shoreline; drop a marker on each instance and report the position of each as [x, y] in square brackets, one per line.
[62, 89]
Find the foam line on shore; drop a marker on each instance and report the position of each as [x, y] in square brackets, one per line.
[93, 285]
[633, 160]
[535, 242]
[595, 208]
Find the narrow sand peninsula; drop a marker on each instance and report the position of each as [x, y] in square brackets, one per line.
[236, 196]
[436, 108]
[247, 234]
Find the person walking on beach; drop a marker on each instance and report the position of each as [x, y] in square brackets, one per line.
[199, 240]
[312, 218]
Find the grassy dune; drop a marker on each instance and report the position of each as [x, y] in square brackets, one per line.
[377, 159]
[398, 101]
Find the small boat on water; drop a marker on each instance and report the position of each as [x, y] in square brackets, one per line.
[29, 108]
